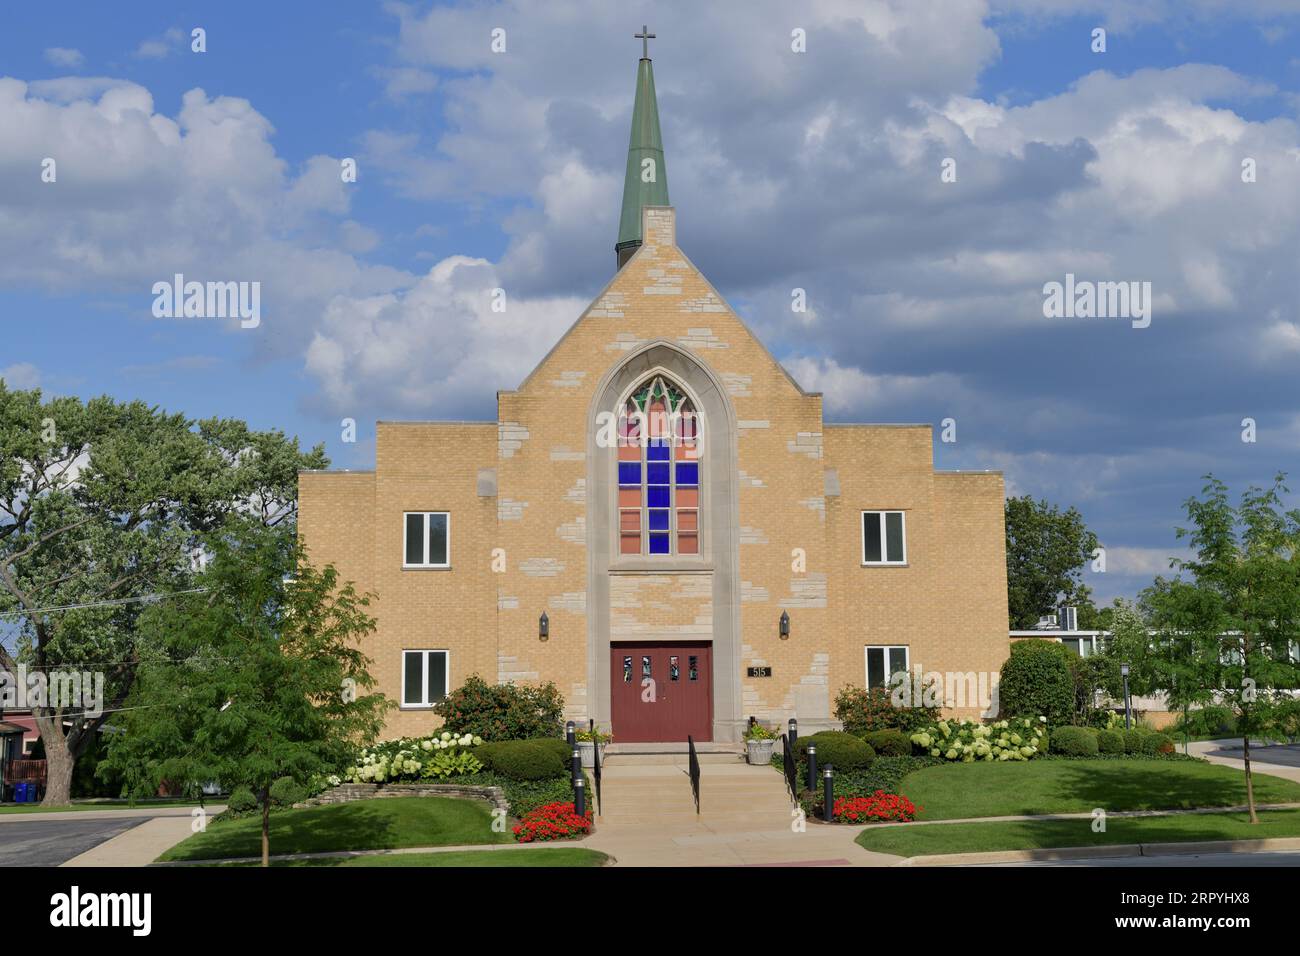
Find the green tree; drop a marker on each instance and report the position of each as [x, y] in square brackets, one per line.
[1230, 633]
[102, 505]
[1046, 551]
[258, 679]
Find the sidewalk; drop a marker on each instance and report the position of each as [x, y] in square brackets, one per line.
[142, 844]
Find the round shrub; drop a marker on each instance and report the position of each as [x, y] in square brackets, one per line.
[841, 750]
[521, 759]
[241, 800]
[286, 791]
[1074, 741]
[1110, 741]
[1157, 743]
[1134, 739]
[889, 743]
[1036, 681]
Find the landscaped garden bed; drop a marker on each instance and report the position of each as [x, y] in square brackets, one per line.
[1055, 834]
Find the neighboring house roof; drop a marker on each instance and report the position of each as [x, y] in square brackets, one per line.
[8, 730]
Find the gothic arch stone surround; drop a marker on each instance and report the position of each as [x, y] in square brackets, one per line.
[719, 538]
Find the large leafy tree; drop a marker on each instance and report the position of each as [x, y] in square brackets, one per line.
[1229, 633]
[1046, 551]
[103, 506]
[259, 678]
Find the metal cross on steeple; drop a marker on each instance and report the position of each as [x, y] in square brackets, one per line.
[645, 36]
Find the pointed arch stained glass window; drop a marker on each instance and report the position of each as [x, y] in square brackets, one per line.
[658, 471]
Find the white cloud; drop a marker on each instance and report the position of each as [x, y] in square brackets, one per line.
[155, 48]
[64, 57]
[22, 375]
[435, 350]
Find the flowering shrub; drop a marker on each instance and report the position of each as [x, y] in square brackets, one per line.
[552, 821]
[1018, 738]
[878, 806]
[416, 758]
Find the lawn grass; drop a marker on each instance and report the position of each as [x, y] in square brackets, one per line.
[1045, 834]
[385, 824]
[984, 789]
[557, 857]
[103, 805]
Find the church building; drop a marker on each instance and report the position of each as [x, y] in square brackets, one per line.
[661, 523]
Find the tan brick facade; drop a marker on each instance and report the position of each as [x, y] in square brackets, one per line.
[777, 483]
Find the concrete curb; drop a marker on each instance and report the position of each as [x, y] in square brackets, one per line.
[1117, 851]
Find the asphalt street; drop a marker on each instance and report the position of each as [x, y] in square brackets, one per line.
[50, 842]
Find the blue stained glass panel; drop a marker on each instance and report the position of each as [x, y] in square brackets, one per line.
[657, 451]
[659, 519]
[658, 544]
[656, 473]
[629, 473]
[688, 473]
[657, 496]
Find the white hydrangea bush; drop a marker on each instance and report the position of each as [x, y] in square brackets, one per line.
[1018, 738]
[416, 758]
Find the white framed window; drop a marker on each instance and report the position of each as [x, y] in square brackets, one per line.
[427, 539]
[884, 537]
[884, 661]
[425, 677]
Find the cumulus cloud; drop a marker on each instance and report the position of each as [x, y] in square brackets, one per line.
[141, 195]
[437, 349]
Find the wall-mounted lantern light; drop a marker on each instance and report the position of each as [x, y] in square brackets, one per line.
[785, 626]
[543, 627]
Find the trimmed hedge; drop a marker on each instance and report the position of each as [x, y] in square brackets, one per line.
[522, 759]
[1134, 739]
[558, 745]
[1036, 681]
[889, 743]
[1157, 743]
[1110, 742]
[1075, 741]
[841, 750]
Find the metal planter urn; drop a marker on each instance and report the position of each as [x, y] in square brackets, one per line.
[759, 751]
[587, 748]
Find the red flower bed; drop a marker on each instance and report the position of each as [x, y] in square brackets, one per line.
[878, 806]
[553, 821]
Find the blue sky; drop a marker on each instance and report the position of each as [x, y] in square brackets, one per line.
[817, 170]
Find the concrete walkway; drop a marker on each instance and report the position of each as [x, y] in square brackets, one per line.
[648, 818]
[142, 844]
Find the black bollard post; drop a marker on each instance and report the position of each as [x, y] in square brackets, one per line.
[792, 733]
[828, 794]
[575, 764]
[812, 767]
[568, 733]
[579, 797]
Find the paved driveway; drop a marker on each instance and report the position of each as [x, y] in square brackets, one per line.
[50, 842]
[1283, 755]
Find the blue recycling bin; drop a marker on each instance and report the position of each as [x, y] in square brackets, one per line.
[20, 793]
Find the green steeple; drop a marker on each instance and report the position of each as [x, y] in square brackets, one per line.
[646, 182]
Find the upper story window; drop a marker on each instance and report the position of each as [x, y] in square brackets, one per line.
[658, 472]
[428, 539]
[884, 537]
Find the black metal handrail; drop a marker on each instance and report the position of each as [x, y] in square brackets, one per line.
[595, 746]
[694, 767]
[791, 768]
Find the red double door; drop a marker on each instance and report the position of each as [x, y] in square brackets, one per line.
[661, 691]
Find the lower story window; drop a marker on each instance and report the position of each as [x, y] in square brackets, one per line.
[424, 678]
[883, 662]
